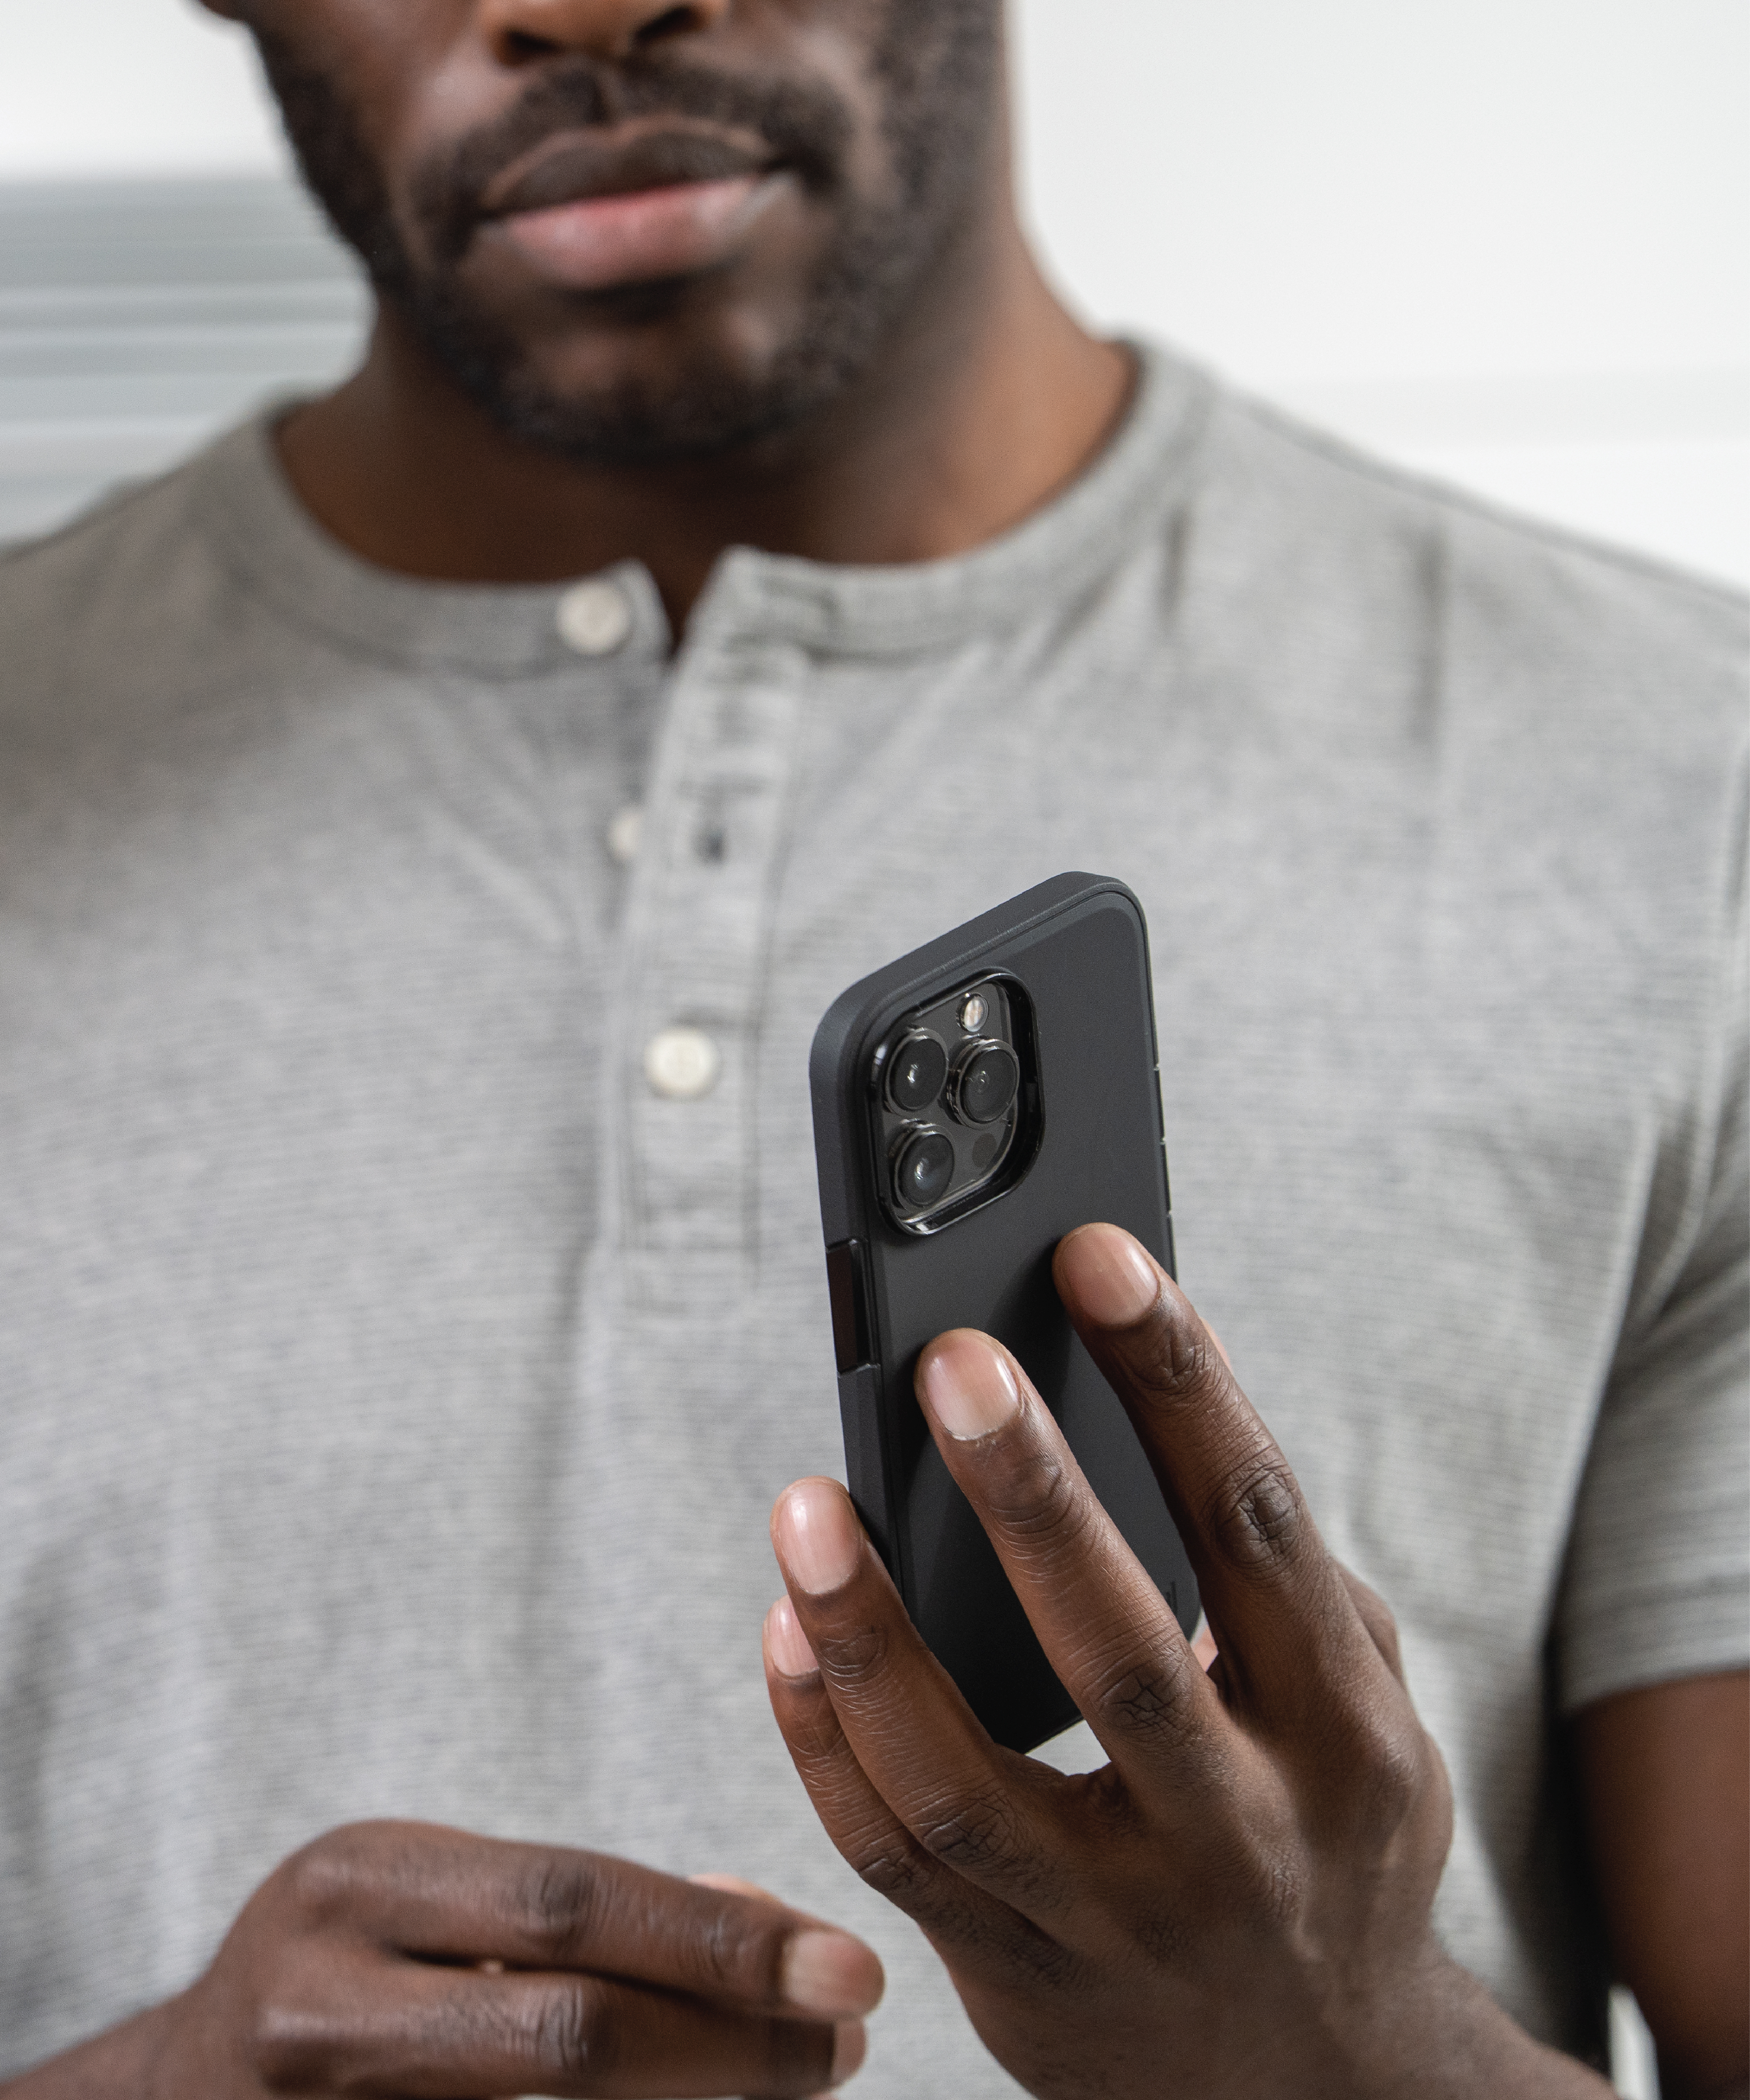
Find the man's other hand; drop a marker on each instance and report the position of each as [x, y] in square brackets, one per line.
[1239, 1903]
[402, 1958]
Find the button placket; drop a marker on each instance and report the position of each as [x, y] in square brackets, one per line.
[714, 831]
[595, 617]
[682, 1063]
[624, 833]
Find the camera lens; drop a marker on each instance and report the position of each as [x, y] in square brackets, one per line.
[984, 1082]
[923, 1169]
[915, 1072]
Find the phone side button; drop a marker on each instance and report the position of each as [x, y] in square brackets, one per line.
[850, 1313]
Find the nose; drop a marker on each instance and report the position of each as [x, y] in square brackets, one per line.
[519, 30]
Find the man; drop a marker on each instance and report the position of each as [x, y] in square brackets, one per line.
[434, 821]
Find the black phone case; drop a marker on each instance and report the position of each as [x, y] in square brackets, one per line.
[1078, 947]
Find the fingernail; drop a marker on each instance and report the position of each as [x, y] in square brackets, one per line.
[787, 1643]
[968, 1387]
[829, 1974]
[818, 1538]
[850, 2046]
[1115, 1281]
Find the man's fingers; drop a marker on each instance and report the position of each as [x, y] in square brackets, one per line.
[448, 1894]
[1108, 1631]
[1282, 1611]
[968, 1803]
[869, 1836]
[411, 2029]
[823, 1968]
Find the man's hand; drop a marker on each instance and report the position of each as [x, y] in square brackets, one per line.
[1238, 1904]
[400, 1958]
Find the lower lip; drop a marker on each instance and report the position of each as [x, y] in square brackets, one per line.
[646, 235]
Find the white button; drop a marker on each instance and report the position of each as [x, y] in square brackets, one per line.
[681, 1063]
[625, 827]
[594, 618]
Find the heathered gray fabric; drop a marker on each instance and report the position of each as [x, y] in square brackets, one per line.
[393, 1388]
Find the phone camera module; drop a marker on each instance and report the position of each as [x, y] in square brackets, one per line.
[954, 1103]
[915, 1072]
[986, 1078]
[923, 1168]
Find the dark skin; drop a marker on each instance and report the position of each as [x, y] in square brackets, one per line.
[405, 1958]
[1663, 1770]
[1239, 1902]
[401, 1959]
[987, 399]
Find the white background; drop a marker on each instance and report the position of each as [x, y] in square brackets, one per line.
[1509, 241]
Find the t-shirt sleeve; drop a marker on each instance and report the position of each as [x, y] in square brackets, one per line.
[1657, 1584]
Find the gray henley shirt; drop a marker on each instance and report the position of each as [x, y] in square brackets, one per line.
[395, 1378]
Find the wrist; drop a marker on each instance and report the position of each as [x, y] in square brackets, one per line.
[1439, 2035]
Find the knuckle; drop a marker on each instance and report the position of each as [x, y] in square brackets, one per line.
[899, 1869]
[1175, 1358]
[741, 1953]
[817, 1742]
[1256, 1515]
[893, 1869]
[1390, 1765]
[976, 1836]
[577, 2033]
[852, 1657]
[1038, 1502]
[1149, 1700]
[562, 1900]
[323, 1879]
[291, 2046]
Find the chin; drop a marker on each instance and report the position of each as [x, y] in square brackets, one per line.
[648, 380]
[643, 422]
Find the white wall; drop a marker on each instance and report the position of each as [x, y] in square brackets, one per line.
[1398, 187]
[1507, 241]
[113, 86]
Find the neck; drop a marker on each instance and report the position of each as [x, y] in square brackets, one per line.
[986, 404]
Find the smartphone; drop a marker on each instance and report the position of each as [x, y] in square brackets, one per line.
[973, 1102]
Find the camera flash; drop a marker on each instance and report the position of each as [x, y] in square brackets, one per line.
[972, 1013]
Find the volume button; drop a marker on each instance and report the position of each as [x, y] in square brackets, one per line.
[850, 1314]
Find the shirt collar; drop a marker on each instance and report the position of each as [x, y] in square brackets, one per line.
[260, 528]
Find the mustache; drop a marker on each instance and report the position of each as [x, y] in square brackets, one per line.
[802, 126]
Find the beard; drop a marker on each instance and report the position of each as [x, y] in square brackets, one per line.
[935, 68]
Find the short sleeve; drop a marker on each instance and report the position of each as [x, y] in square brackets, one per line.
[1657, 1584]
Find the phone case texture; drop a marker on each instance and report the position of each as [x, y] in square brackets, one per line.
[1077, 947]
